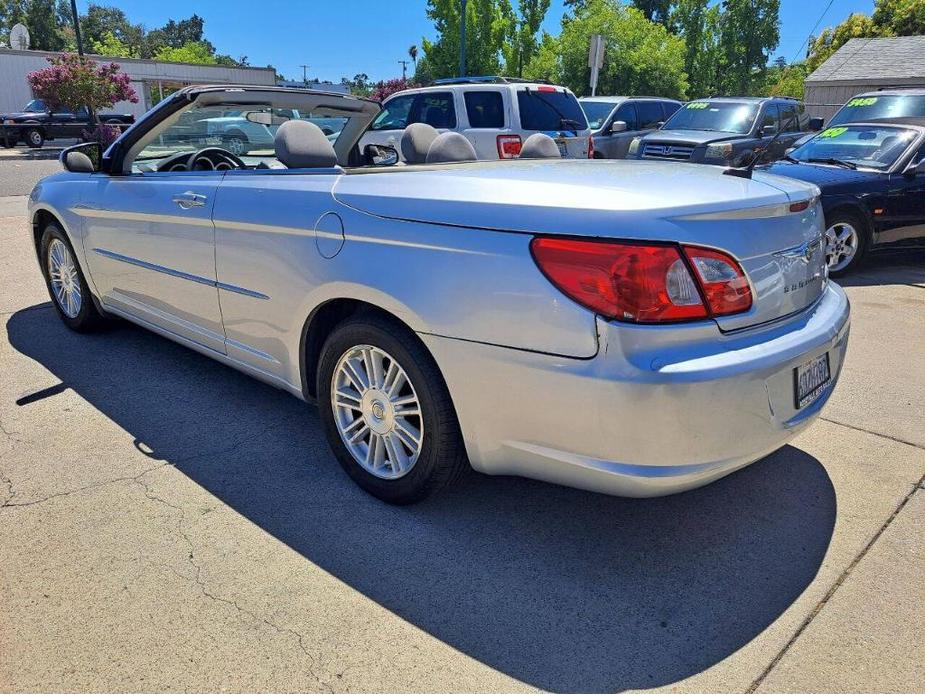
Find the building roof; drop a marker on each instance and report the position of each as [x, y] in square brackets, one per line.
[893, 60]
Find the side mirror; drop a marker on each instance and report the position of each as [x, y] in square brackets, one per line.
[915, 169]
[816, 124]
[618, 126]
[660, 124]
[768, 130]
[82, 158]
[789, 151]
[380, 155]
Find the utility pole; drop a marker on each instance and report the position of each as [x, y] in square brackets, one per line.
[404, 70]
[462, 40]
[304, 73]
[76, 20]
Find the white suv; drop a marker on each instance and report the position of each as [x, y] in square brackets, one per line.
[496, 114]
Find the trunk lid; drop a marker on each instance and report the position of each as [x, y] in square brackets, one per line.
[642, 200]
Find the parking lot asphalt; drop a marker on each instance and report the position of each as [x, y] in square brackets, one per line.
[168, 523]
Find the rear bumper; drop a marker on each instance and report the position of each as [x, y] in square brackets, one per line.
[659, 409]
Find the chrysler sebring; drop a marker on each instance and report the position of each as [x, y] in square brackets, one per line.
[630, 327]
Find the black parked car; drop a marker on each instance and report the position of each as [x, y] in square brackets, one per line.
[725, 130]
[872, 178]
[37, 123]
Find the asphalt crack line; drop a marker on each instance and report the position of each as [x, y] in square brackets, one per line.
[874, 433]
[835, 586]
[200, 582]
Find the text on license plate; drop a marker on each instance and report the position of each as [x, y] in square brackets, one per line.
[810, 379]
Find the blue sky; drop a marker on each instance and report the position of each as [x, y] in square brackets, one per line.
[346, 37]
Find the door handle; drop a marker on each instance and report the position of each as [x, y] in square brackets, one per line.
[190, 199]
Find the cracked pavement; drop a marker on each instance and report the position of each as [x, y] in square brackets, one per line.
[169, 524]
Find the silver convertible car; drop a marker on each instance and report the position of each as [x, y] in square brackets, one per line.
[630, 327]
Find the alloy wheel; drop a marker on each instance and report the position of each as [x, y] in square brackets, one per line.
[377, 412]
[236, 146]
[841, 245]
[65, 283]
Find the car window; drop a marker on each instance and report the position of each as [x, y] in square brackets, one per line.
[550, 109]
[394, 114]
[724, 116]
[485, 109]
[769, 118]
[648, 114]
[434, 108]
[864, 108]
[670, 107]
[35, 106]
[789, 118]
[627, 113]
[596, 112]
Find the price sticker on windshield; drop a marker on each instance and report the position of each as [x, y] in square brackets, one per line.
[698, 105]
[832, 132]
[862, 101]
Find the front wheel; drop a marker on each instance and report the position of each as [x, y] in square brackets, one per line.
[387, 412]
[847, 239]
[66, 283]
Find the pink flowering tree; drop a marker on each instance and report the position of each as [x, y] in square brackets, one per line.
[384, 90]
[73, 81]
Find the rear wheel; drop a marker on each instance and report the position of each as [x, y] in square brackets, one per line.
[34, 138]
[387, 412]
[66, 283]
[847, 239]
[236, 143]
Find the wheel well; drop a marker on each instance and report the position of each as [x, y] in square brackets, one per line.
[320, 324]
[235, 133]
[41, 220]
[854, 209]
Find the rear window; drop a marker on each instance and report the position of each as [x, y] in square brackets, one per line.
[550, 110]
[485, 109]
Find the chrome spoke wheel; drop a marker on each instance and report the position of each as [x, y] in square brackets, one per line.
[377, 412]
[65, 283]
[841, 245]
[236, 146]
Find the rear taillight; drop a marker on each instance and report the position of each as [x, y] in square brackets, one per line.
[644, 283]
[509, 146]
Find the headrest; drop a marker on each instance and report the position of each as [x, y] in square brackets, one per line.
[540, 146]
[450, 146]
[301, 145]
[416, 140]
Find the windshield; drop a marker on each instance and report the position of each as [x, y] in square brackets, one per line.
[865, 108]
[863, 146]
[724, 116]
[597, 112]
[549, 109]
[35, 106]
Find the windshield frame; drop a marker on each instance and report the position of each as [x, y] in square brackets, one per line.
[899, 163]
[27, 109]
[751, 126]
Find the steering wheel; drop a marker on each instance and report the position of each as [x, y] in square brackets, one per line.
[213, 159]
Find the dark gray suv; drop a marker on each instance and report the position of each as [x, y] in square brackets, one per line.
[616, 120]
[720, 130]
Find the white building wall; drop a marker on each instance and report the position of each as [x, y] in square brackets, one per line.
[15, 65]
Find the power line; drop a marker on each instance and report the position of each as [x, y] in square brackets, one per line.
[811, 31]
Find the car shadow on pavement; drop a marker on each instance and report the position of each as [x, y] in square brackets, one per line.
[894, 266]
[559, 588]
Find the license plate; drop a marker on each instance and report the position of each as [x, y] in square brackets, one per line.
[563, 147]
[810, 380]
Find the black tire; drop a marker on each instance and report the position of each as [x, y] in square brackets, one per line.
[88, 318]
[442, 459]
[34, 137]
[862, 228]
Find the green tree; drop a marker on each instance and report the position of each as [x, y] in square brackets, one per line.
[655, 10]
[101, 21]
[487, 27]
[359, 85]
[749, 32]
[698, 23]
[109, 45]
[900, 17]
[522, 43]
[857, 25]
[44, 30]
[177, 34]
[199, 52]
[641, 57]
